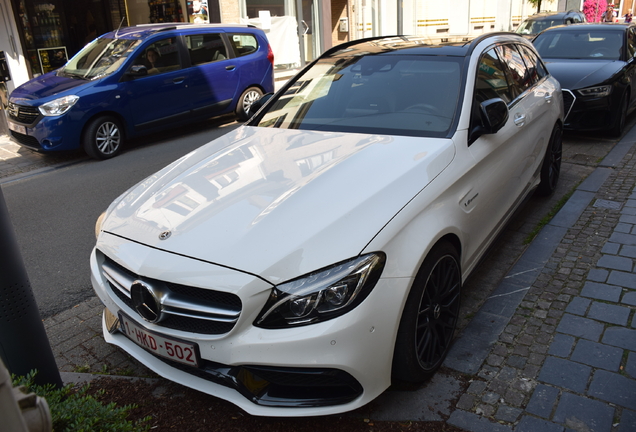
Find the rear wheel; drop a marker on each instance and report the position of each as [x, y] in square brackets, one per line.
[551, 168]
[103, 137]
[246, 100]
[430, 316]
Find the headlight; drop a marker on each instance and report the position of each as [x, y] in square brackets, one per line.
[322, 295]
[98, 224]
[58, 106]
[599, 91]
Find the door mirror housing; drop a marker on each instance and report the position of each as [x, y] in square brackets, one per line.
[136, 71]
[493, 115]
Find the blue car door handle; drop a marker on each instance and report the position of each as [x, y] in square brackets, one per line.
[178, 80]
[231, 67]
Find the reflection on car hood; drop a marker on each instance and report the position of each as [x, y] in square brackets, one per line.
[44, 86]
[577, 74]
[277, 202]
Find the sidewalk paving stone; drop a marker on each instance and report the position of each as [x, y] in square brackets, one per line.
[580, 413]
[614, 388]
[565, 373]
[597, 355]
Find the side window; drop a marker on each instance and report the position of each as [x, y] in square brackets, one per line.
[491, 80]
[160, 56]
[631, 42]
[534, 65]
[517, 73]
[243, 44]
[205, 48]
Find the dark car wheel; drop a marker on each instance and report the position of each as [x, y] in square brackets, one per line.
[430, 315]
[617, 129]
[103, 137]
[551, 168]
[248, 97]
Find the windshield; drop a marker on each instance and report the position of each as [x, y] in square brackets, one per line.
[537, 26]
[595, 45]
[380, 94]
[99, 58]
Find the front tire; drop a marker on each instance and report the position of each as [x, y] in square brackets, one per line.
[246, 100]
[427, 326]
[103, 138]
[619, 126]
[551, 168]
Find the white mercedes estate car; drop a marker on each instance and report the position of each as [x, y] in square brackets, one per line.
[300, 263]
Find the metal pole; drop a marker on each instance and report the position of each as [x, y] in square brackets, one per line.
[24, 345]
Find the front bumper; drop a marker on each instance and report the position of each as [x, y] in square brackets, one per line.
[589, 113]
[325, 368]
[42, 133]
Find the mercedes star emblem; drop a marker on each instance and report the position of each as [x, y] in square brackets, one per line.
[146, 301]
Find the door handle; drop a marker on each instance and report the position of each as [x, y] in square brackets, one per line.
[520, 119]
[178, 80]
[230, 67]
[548, 97]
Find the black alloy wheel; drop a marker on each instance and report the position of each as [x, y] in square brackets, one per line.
[430, 316]
[551, 168]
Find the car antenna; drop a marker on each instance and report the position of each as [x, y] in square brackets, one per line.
[120, 23]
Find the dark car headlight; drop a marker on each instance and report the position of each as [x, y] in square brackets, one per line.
[323, 294]
[598, 91]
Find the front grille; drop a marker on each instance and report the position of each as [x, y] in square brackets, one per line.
[23, 114]
[568, 102]
[26, 140]
[185, 308]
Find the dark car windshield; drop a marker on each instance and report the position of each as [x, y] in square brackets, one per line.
[381, 94]
[537, 26]
[99, 58]
[580, 44]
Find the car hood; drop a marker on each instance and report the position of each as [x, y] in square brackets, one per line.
[576, 74]
[278, 203]
[44, 87]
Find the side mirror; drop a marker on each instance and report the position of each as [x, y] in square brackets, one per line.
[492, 116]
[136, 71]
[259, 104]
[494, 113]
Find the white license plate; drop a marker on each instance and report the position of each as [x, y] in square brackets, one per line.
[179, 351]
[18, 128]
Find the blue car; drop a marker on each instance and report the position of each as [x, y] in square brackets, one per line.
[138, 80]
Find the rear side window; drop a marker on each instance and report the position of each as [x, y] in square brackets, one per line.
[205, 48]
[243, 43]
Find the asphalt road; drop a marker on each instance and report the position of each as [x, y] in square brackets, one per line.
[54, 212]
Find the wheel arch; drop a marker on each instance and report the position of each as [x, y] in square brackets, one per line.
[107, 113]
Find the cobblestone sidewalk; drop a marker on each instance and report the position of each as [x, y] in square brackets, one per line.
[566, 360]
